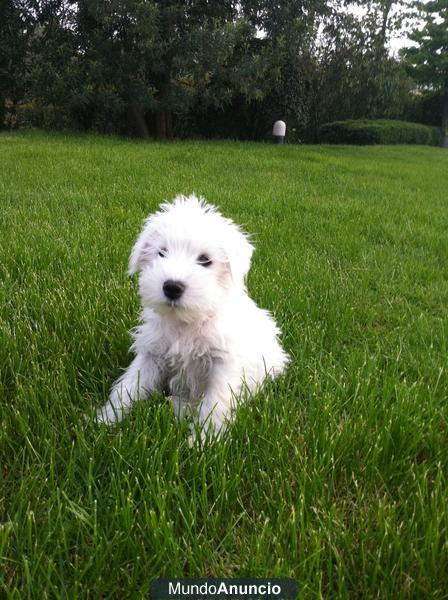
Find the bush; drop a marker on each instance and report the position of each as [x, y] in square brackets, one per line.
[378, 132]
[31, 114]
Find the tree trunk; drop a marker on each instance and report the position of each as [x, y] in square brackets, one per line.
[2, 112]
[160, 125]
[163, 124]
[384, 23]
[136, 122]
[445, 120]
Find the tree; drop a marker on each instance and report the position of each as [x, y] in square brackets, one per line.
[428, 60]
[356, 75]
[335, 65]
[52, 76]
[209, 67]
[153, 60]
[15, 24]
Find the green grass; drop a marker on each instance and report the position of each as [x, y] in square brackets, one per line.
[336, 475]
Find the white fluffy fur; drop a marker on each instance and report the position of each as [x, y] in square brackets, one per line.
[211, 345]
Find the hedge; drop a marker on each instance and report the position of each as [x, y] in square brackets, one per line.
[364, 132]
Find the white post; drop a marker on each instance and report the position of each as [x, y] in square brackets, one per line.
[279, 131]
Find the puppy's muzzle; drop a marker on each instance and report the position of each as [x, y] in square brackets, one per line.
[173, 290]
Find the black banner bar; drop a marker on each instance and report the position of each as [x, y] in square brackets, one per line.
[223, 589]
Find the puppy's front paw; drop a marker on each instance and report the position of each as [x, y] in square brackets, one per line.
[107, 414]
[198, 440]
[202, 435]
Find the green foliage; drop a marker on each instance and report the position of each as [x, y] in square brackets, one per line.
[135, 64]
[428, 60]
[354, 77]
[425, 106]
[336, 474]
[14, 25]
[329, 67]
[208, 69]
[363, 132]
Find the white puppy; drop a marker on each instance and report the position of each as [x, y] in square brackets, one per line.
[201, 336]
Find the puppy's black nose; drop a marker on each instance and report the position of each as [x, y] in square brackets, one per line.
[173, 290]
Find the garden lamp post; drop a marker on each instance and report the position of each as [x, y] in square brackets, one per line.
[279, 131]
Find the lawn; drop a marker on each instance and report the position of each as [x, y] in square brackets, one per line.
[336, 475]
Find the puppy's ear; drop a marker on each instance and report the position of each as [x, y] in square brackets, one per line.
[239, 253]
[143, 249]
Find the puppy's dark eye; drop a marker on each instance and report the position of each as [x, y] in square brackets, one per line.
[204, 260]
[162, 252]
